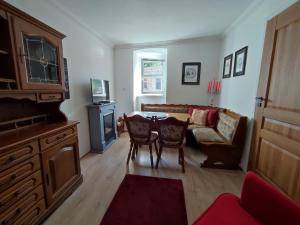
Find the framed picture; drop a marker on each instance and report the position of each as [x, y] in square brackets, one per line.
[191, 73]
[240, 60]
[227, 66]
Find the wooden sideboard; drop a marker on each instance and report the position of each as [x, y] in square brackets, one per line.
[39, 167]
[39, 155]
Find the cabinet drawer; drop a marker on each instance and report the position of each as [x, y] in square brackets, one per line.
[16, 211]
[18, 191]
[32, 216]
[57, 138]
[13, 156]
[17, 173]
[50, 97]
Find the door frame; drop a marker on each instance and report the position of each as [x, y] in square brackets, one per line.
[262, 89]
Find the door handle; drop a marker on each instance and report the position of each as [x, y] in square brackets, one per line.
[259, 101]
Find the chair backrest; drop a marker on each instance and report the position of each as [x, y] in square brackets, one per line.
[139, 128]
[171, 131]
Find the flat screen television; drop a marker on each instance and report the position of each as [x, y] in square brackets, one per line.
[100, 90]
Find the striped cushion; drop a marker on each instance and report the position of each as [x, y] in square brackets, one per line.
[226, 125]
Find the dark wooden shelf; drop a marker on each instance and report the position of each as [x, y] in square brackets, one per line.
[3, 52]
[5, 80]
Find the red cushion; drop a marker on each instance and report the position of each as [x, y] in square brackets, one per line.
[267, 204]
[226, 210]
[212, 118]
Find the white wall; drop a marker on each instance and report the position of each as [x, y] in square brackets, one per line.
[205, 50]
[123, 67]
[238, 93]
[87, 56]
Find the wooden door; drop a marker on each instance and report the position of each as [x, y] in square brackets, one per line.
[276, 141]
[61, 168]
[39, 57]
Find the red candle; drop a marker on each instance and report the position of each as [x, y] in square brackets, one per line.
[209, 87]
[215, 86]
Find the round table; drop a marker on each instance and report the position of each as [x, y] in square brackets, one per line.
[158, 115]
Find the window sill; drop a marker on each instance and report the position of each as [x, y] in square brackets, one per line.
[150, 95]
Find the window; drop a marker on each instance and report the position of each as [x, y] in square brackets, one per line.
[152, 76]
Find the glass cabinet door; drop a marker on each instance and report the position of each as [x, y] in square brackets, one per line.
[41, 60]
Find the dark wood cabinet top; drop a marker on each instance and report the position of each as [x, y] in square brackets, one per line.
[28, 134]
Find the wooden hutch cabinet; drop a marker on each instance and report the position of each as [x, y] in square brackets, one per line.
[39, 155]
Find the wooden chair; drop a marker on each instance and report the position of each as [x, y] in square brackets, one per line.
[141, 132]
[171, 133]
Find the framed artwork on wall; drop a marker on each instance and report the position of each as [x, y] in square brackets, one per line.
[227, 66]
[191, 73]
[240, 60]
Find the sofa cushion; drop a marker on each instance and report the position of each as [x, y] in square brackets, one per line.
[212, 118]
[200, 107]
[226, 210]
[207, 135]
[199, 117]
[226, 125]
[193, 126]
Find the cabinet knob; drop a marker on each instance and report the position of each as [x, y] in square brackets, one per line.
[11, 158]
[13, 176]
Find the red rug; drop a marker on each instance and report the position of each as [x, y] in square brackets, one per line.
[144, 200]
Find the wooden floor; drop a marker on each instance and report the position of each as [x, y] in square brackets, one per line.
[103, 173]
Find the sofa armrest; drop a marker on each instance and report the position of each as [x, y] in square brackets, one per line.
[267, 204]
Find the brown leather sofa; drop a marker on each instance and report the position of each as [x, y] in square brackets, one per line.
[223, 143]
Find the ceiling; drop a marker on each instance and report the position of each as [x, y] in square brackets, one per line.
[144, 21]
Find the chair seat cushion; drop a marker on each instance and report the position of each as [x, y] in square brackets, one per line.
[226, 210]
[205, 134]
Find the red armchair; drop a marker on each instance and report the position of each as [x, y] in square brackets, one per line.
[260, 204]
